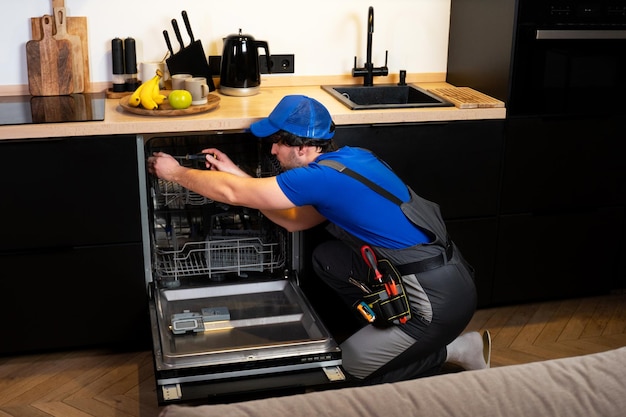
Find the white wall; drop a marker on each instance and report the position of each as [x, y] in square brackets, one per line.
[324, 35]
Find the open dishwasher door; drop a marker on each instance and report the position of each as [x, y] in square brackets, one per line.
[228, 316]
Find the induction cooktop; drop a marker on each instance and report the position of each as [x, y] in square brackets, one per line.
[19, 110]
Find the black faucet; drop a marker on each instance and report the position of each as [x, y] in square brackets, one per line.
[369, 72]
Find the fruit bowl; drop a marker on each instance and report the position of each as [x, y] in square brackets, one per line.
[165, 109]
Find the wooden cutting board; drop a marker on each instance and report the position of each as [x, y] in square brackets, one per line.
[75, 25]
[49, 63]
[60, 20]
[467, 98]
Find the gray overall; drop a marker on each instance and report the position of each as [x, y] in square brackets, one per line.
[440, 288]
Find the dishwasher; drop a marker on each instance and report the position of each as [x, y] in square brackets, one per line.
[227, 314]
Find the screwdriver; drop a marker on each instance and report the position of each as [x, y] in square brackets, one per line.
[370, 260]
[194, 156]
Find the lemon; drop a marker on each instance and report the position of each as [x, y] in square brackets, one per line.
[179, 99]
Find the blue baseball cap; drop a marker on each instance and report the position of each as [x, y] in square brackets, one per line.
[299, 115]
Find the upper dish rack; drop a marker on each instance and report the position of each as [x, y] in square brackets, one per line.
[172, 195]
[194, 236]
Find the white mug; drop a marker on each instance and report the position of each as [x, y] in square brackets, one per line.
[198, 88]
[148, 70]
[178, 81]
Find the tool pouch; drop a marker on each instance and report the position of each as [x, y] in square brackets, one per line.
[388, 309]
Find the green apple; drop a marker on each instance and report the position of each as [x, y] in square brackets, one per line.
[179, 99]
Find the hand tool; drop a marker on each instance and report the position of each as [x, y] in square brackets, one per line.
[197, 157]
[390, 285]
[370, 260]
[366, 311]
[191, 157]
[360, 285]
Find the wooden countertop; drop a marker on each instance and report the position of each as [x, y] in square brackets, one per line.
[234, 113]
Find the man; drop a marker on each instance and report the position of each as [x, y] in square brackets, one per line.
[366, 206]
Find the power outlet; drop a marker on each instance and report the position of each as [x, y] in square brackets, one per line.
[279, 64]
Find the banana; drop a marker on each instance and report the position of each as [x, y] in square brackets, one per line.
[147, 93]
[135, 98]
[156, 94]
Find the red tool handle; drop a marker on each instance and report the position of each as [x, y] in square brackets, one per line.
[370, 260]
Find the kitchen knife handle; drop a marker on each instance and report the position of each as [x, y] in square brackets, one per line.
[179, 37]
[187, 25]
[168, 42]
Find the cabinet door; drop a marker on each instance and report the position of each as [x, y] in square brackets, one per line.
[542, 257]
[455, 164]
[69, 192]
[557, 165]
[74, 298]
[476, 239]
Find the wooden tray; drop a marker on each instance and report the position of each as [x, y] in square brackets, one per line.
[166, 110]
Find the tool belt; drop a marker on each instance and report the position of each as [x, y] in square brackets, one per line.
[380, 306]
[383, 309]
[428, 263]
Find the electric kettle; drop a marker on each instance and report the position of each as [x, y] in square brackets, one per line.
[240, 74]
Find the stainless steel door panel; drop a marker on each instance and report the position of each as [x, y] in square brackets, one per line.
[267, 320]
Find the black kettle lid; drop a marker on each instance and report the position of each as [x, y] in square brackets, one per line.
[239, 36]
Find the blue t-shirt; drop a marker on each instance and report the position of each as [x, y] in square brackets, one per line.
[350, 204]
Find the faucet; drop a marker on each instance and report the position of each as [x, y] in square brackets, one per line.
[368, 72]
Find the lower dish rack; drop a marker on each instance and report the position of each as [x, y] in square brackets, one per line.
[218, 256]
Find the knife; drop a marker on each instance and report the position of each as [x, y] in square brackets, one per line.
[167, 41]
[177, 33]
[188, 26]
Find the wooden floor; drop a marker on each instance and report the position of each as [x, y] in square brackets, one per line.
[102, 384]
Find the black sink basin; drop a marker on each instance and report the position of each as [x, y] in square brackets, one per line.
[384, 96]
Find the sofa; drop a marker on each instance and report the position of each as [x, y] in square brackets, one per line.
[585, 386]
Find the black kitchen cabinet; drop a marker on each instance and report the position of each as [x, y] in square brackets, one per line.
[556, 256]
[561, 226]
[477, 240]
[74, 297]
[69, 192]
[71, 253]
[456, 165]
[563, 164]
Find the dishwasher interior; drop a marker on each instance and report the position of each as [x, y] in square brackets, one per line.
[227, 313]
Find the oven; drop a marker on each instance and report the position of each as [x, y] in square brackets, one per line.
[227, 312]
[547, 58]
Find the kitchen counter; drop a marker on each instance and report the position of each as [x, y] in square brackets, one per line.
[234, 113]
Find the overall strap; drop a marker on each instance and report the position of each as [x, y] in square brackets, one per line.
[422, 213]
[345, 170]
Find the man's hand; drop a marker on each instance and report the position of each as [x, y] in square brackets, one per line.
[218, 161]
[164, 166]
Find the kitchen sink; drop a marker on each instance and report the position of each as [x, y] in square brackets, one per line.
[384, 96]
